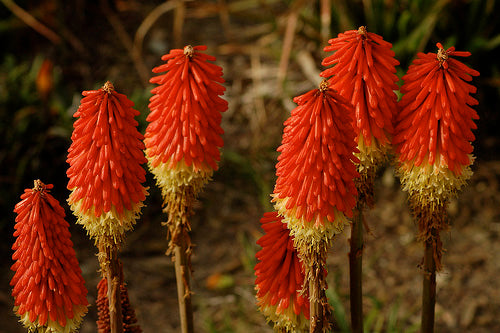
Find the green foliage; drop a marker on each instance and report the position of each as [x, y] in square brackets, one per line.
[414, 26]
[35, 130]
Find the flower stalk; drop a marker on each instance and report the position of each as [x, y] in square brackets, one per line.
[179, 209]
[363, 72]
[315, 191]
[110, 269]
[127, 312]
[356, 269]
[433, 135]
[105, 177]
[429, 286]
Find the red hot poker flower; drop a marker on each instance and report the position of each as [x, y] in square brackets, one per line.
[280, 275]
[105, 158]
[184, 134]
[364, 73]
[315, 187]
[48, 288]
[433, 129]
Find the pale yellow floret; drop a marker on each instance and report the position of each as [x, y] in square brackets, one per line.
[372, 156]
[51, 326]
[309, 233]
[432, 184]
[109, 225]
[287, 320]
[171, 179]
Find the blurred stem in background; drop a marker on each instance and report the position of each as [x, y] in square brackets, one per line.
[356, 270]
[428, 288]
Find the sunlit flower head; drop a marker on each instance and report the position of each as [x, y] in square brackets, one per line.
[433, 131]
[280, 276]
[105, 158]
[315, 188]
[363, 72]
[48, 288]
[184, 134]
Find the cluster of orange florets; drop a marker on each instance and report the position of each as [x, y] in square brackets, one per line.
[430, 129]
[183, 136]
[345, 126]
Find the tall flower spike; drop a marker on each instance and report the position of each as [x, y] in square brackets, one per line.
[315, 188]
[48, 288]
[182, 145]
[433, 130]
[184, 134]
[433, 136]
[364, 73]
[105, 158]
[280, 275]
[432, 140]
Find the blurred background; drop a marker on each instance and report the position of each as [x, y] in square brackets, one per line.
[271, 51]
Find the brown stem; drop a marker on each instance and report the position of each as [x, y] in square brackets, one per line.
[315, 311]
[110, 266]
[429, 288]
[356, 270]
[320, 312]
[179, 208]
[182, 275]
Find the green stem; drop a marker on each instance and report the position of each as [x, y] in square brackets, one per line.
[356, 270]
[429, 289]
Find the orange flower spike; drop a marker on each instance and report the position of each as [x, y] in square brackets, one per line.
[184, 134]
[433, 131]
[48, 289]
[363, 72]
[315, 188]
[280, 275]
[105, 158]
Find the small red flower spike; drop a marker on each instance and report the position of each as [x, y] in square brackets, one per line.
[105, 158]
[315, 188]
[184, 134]
[433, 129]
[128, 313]
[48, 288]
[280, 275]
[364, 73]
